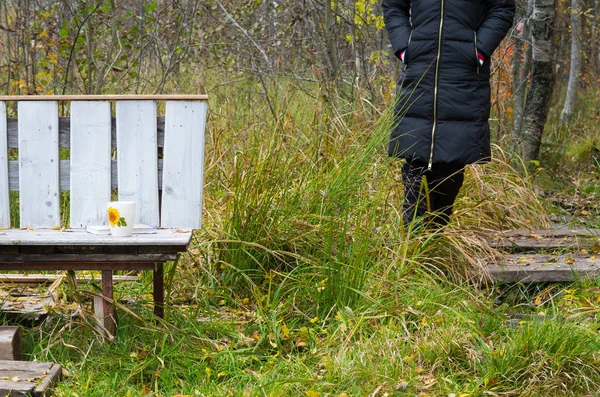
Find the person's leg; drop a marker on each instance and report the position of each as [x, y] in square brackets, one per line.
[446, 181]
[415, 199]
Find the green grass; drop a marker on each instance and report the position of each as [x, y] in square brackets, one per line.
[305, 282]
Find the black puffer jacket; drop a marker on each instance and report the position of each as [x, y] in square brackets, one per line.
[444, 94]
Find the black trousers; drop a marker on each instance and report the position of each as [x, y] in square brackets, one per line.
[430, 190]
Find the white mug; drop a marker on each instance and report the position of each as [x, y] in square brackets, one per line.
[121, 217]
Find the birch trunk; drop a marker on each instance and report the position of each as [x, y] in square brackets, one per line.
[575, 68]
[521, 68]
[595, 28]
[542, 79]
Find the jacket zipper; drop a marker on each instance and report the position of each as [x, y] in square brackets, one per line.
[476, 53]
[435, 87]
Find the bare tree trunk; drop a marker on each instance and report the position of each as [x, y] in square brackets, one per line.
[330, 39]
[542, 79]
[575, 68]
[521, 70]
[8, 45]
[595, 29]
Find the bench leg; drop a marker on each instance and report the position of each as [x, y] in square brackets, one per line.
[159, 290]
[103, 306]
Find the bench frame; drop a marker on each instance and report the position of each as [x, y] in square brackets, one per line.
[41, 247]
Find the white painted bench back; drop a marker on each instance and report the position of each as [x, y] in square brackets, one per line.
[89, 172]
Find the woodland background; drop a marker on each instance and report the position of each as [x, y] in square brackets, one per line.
[303, 280]
[142, 46]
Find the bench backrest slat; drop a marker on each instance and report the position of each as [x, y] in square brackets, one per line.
[183, 164]
[38, 164]
[4, 200]
[90, 163]
[137, 158]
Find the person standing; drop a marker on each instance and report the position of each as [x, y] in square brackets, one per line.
[443, 96]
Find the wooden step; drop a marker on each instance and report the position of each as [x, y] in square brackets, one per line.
[536, 268]
[535, 240]
[28, 378]
[10, 343]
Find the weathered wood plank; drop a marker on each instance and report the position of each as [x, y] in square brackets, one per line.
[43, 266]
[28, 304]
[53, 376]
[183, 165]
[65, 172]
[525, 243]
[90, 163]
[36, 366]
[81, 237]
[101, 258]
[85, 250]
[36, 279]
[26, 378]
[4, 200]
[10, 343]
[64, 132]
[137, 158]
[9, 388]
[562, 232]
[544, 268]
[117, 97]
[38, 164]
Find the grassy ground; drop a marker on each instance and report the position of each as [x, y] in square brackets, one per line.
[305, 282]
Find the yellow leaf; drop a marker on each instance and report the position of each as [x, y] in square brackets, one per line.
[312, 393]
[538, 300]
[285, 331]
[424, 321]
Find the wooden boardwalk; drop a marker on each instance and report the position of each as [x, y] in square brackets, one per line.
[27, 378]
[555, 255]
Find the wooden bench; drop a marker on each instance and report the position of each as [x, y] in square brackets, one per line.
[155, 161]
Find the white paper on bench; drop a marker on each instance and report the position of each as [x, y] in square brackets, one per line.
[90, 163]
[105, 230]
[38, 164]
[183, 164]
[137, 158]
[4, 198]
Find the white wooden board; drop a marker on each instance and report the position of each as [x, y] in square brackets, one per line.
[4, 201]
[38, 164]
[90, 163]
[137, 158]
[81, 237]
[183, 164]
